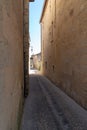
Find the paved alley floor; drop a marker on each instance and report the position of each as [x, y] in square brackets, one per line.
[48, 108]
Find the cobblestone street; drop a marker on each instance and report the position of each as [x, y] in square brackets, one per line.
[48, 108]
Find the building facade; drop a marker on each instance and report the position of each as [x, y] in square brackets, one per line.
[64, 46]
[13, 32]
[35, 61]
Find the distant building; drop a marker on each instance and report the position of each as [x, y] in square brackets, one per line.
[64, 46]
[31, 62]
[35, 61]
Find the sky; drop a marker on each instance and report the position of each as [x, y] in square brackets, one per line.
[34, 29]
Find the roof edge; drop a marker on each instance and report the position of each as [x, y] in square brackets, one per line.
[44, 6]
[31, 0]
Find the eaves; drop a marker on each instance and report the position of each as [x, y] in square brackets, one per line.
[43, 10]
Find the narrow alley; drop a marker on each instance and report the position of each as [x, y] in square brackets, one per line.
[48, 108]
[49, 36]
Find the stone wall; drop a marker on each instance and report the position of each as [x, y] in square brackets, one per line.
[26, 47]
[11, 63]
[64, 46]
[36, 61]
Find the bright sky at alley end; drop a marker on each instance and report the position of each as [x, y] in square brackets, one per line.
[35, 14]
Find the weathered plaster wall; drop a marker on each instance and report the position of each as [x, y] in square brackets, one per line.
[64, 46]
[11, 63]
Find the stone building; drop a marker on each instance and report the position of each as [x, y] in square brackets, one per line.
[35, 61]
[64, 46]
[14, 43]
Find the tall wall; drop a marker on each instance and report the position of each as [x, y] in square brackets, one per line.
[26, 47]
[64, 46]
[11, 63]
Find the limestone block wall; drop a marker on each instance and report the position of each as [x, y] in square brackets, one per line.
[26, 47]
[11, 63]
[64, 46]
